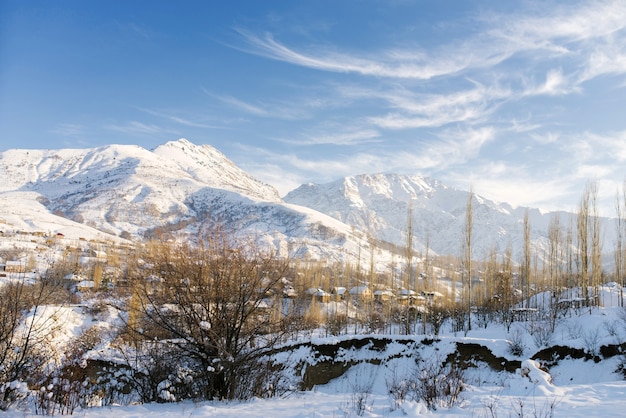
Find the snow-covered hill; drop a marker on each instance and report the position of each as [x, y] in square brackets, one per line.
[178, 187]
[381, 203]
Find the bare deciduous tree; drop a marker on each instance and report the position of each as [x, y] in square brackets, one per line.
[620, 225]
[23, 332]
[210, 305]
[467, 256]
[525, 267]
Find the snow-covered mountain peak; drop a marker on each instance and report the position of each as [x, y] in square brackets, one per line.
[206, 164]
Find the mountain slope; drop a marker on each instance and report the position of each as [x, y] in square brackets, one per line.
[177, 188]
[380, 204]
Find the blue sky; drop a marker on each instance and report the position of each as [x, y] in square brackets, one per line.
[523, 101]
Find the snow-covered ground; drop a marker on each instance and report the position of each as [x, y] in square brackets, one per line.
[570, 388]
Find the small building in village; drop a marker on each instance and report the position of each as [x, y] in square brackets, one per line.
[15, 267]
[362, 293]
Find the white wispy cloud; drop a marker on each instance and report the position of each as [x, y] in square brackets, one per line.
[410, 110]
[135, 127]
[589, 35]
[563, 23]
[335, 137]
[566, 30]
[267, 110]
[609, 58]
[462, 102]
[246, 107]
[454, 148]
[410, 64]
[70, 129]
[177, 119]
[555, 83]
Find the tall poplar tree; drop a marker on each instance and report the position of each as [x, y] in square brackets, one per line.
[467, 246]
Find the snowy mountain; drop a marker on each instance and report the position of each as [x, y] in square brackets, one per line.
[381, 203]
[121, 190]
[178, 187]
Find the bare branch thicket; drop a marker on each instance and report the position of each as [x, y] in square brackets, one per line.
[437, 384]
[24, 335]
[210, 304]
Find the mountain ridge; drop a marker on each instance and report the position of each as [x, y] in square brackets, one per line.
[179, 187]
[381, 203]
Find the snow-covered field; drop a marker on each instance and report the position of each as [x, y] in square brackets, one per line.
[571, 388]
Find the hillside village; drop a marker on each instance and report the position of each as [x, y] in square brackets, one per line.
[87, 267]
[304, 302]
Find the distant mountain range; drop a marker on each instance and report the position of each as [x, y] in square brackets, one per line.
[178, 187]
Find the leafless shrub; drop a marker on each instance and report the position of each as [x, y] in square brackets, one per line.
[541, 332]
[60, 395]
[491, 406]
[611, 328]
[438, 313]
[438, 384]
[591, 340]
[24, 345]
[432, 381]
[574, 330]
[517, 347]
[547, 411]
[361, 390]
[375, 322]
[399, 387]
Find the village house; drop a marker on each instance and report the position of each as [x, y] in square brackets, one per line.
[85, 285]
[338, 293]
[383, 295]
[408, 297]
[319, 295]
[362, 293]
[432, 296]
[15, 267]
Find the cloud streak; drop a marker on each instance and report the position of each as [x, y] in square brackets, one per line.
[400, 64]
[340, 138]
[139, 128]
[573, 31]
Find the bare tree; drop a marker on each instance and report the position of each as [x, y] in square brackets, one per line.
[409, 248]
[467, 256]
[410, 280]
[596, 246]
[582, 231]
[525, 267]
[23, 332]
[620, 226]
[588, 230]
[555, 244]
[208, 306]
